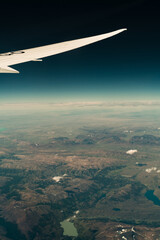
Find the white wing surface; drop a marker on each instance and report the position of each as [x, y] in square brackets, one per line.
[35, 54]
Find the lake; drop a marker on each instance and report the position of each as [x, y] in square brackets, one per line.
[2, 129]
[150, 196]
[69, 229]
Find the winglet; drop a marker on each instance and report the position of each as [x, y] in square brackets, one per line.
[8, 70]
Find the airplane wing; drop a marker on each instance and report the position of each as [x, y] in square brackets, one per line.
[35, 54]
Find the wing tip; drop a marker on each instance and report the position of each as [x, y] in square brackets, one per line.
[121, 30]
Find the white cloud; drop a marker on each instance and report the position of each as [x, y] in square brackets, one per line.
[149, 170]
[131, 151]
[57, 179]
[128, 131]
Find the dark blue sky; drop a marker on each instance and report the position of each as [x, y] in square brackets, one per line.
[122, 67]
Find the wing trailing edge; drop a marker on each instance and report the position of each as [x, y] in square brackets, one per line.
[8, 70]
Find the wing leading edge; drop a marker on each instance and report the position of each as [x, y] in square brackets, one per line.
[35, 54]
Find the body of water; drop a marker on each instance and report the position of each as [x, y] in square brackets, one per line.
[2, 129]
[150, 196]
[69, 229]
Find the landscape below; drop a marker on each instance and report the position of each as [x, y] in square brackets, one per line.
[91, 168]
